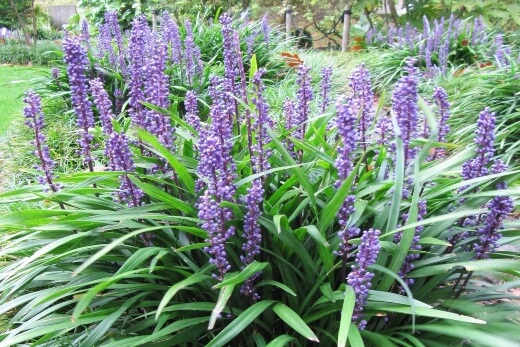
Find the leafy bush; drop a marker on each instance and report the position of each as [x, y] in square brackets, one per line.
[442, 47]
[248, 227]
[43, 54]
[496, 87]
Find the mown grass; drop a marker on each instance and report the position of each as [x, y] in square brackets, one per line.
[14, 81]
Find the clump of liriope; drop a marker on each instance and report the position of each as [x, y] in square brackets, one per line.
[440, 43]
[238, 207]
[500, 206]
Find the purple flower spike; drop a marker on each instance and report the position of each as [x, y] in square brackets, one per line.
[325, 88]
[404, 104]
[85, 35]
[192, 113]
[444, 51]
[346, 232]
[302, 106]
[170, 35]
[440, 97]
[383, 129]
[139, 38]
[346, 123]
[115, 33]
[360, 277]
[120, 159]
[156, 92]
[77, 62]
[479, 31]
[192, 54]
[103, 104]
[498, 209]
[252, 235]
[261, 121]
[231, 66]
[265, 28]
[484, 139]
[214, 217]
[55, 73]
[362, 91]
[217, 171]
[34, 120]
[104, 46]
[250, 43]
[120, 100]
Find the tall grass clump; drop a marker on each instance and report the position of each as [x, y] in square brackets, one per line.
[222, 222]
[45, 53]
[443, 47]
[477, 67]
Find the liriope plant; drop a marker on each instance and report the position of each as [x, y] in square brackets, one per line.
[344, 224]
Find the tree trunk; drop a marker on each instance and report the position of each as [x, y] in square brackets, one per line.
[367, 14]
[393, 11]
[35, 30]
[25, 34]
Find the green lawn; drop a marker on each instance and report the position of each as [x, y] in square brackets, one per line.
[14, 81]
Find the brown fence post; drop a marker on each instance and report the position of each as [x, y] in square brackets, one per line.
[345, 42]
[288, 21]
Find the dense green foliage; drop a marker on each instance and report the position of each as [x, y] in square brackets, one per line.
[475, 76]
[45, 53]
[8, 17]
[81, 268]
